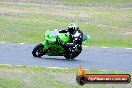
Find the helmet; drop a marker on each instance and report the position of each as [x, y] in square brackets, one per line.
[72, 27]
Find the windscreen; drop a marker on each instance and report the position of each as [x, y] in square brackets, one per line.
[55, 33]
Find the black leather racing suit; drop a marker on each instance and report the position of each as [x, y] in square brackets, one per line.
[75, 45]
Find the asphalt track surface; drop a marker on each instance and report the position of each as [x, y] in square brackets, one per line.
[91, 58]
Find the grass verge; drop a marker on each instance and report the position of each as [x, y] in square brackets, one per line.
[42, 77]
[27, 23]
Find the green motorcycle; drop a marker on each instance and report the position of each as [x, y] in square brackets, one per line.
[50, 47]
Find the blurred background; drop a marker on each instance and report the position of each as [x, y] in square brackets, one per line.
[108, 22]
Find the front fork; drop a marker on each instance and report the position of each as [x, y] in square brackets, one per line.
[46, 46]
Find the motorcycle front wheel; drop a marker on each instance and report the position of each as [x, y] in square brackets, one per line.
[38, 50]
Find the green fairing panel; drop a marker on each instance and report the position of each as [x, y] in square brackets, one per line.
[49, 38]
[55, 50]
[86, 38]
[64, 38]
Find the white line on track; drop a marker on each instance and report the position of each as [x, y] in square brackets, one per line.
[105, 47]
[33, 66]
[54, 67]
[128, 48]
[57, 68]
[83, 46]
[2, 42]
[21, 43]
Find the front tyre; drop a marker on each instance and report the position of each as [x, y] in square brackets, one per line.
[38, 50]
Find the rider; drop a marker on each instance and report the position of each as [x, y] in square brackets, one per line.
[76, 36]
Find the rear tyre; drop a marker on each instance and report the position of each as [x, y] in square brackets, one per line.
[69, 56]
[38, 50]
[72, 55]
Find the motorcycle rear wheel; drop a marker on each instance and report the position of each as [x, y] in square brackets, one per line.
[69, 56]
[38, 50]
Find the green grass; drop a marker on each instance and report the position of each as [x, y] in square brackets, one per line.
[110, 3]
[28, 23]
[42, 77]
[11, 83]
